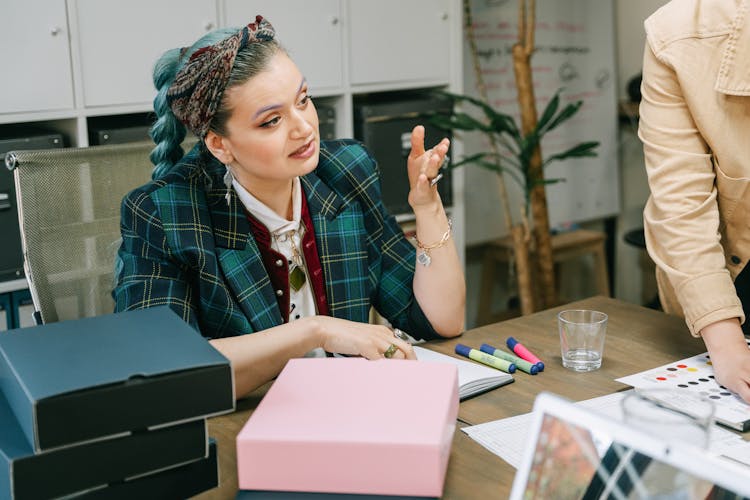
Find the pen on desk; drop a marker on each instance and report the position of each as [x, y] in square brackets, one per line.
[484, 358]
[520, 363]
[521, 351]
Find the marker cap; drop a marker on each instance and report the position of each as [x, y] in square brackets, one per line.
[487, 348]
[462, 349]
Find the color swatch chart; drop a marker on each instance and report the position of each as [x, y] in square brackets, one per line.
[696, 375]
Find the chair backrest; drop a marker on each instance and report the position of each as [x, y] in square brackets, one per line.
[69, 215]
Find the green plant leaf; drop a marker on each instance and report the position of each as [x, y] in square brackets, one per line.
[500, 122]
[549, 111]
[584, 149]
[548, 181]
[565, 114]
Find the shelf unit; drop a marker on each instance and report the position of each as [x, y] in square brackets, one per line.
[80, 62]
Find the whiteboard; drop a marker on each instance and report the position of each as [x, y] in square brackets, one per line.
[575, 50]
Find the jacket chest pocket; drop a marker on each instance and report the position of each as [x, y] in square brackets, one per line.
[731, 197]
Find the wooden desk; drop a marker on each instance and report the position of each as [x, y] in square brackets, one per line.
[637, 339]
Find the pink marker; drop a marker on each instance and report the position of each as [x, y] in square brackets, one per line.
[524, 353]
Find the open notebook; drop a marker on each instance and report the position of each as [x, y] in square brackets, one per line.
[575, 453]
[473, 378]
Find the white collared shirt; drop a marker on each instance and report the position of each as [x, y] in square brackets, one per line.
[302, 301]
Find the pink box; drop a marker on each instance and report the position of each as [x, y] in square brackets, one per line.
[349, 425]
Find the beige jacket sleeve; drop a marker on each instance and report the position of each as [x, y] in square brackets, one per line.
[681, 217]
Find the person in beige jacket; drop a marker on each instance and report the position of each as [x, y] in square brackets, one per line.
[695, 128]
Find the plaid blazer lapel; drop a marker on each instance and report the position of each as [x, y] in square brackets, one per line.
[240, 260]
[341, 238]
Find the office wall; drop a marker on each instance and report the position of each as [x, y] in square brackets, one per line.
[634, 280]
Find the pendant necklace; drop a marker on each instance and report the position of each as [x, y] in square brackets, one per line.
[297, 276]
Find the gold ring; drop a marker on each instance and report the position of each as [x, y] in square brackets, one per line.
[399, 334]
[390, 351]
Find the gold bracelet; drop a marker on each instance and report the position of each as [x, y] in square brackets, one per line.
[423, 256]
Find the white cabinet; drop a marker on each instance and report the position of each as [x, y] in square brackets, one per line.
[119, 42]
[36, 57]
[309, 30]
[399, 41]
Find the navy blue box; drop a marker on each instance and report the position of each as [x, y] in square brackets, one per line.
[70, 469]
[85, 379]
[179, 482]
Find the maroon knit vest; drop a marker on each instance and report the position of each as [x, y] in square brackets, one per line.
[277, 266]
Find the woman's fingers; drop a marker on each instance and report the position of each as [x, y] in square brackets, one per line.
[417, 142]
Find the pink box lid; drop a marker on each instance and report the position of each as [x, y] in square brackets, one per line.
[344, 413]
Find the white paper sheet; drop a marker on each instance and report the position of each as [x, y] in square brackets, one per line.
[507, 437]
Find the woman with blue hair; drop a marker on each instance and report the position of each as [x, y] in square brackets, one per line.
[271, 243]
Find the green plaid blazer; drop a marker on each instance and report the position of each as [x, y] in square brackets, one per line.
[185, 247]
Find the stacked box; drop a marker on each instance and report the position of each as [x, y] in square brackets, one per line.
[103, 406]
[353, 427]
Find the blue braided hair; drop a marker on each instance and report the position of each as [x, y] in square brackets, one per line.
[168, 132]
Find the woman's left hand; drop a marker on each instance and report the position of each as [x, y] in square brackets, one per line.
[423, 166]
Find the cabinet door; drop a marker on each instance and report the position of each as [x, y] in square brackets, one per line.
[399, 41]
[309, 30]
[36, 57]
[119, 42]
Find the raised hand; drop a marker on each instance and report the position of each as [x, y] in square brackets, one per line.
[423, 166]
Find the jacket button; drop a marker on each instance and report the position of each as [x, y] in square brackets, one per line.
[316, 272]
[279, 263]
[279, 292]
[735, 260]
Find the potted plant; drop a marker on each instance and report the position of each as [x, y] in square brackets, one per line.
[516, 151]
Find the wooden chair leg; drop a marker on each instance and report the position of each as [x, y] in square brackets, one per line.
[486, 287]
[600, 269]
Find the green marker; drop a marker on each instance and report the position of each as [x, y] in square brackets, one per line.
[484, 358]
[520, 363]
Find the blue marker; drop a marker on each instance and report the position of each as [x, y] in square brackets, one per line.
[484, 358]
[524, 353]
[520, 363]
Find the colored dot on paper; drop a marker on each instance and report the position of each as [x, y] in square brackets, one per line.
[709, 363]
[691, 369]
[681, 366]
[661, 378]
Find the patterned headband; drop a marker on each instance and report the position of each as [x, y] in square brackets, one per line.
[196, 92]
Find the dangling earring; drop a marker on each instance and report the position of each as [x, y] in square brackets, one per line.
[228, 178]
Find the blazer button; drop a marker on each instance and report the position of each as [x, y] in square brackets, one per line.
[279, 263]
[735, 260]
[279, 292]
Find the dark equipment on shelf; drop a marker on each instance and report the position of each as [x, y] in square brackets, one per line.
[11, 255]
[327, 122]
[120, 135]
[384, 125]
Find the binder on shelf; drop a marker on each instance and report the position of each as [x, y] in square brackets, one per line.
[11, 255]
[85, 379]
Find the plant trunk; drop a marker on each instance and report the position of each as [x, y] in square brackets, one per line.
[538, 197]
[517, 231]
[523, 269]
